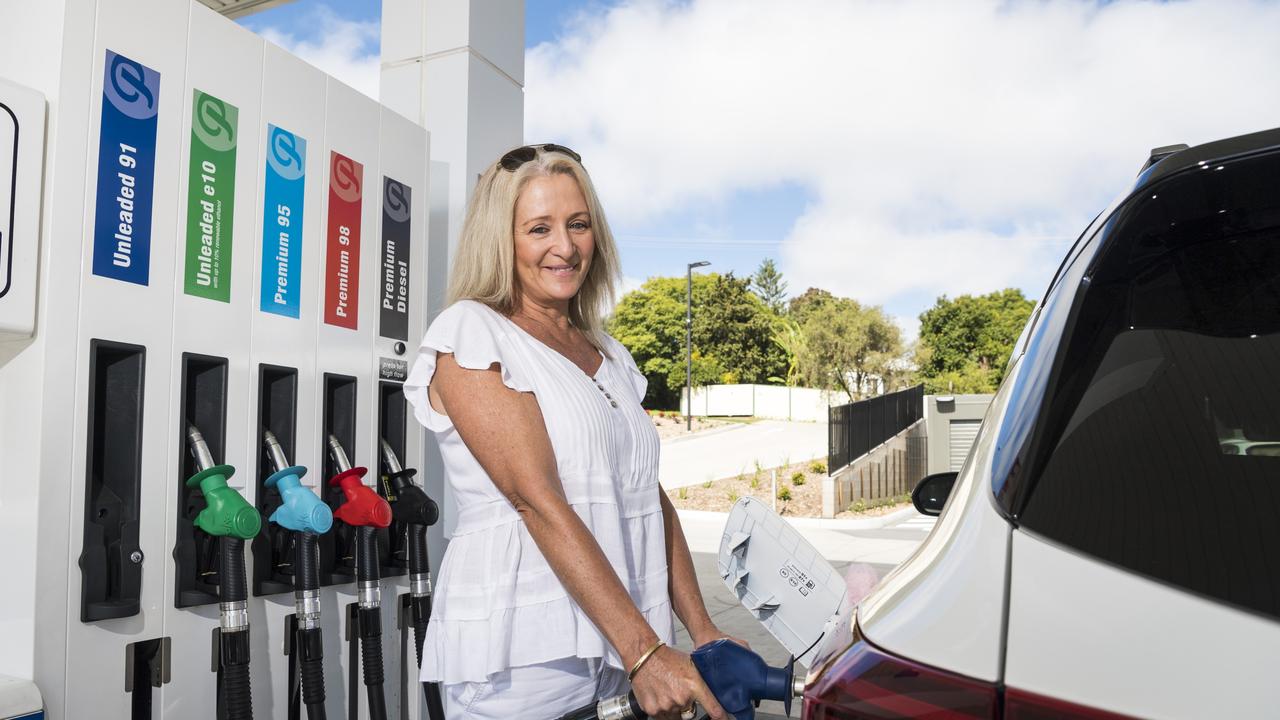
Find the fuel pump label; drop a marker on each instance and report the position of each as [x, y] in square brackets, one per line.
[286, 176]
[393, 314]
[211, 195]
[342, 257]
[126, 170]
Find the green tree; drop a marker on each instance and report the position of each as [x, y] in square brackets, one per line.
[804, 304]
[845, 342]
[965, 342]
[732, 334]
[789, 336]
[767, 282]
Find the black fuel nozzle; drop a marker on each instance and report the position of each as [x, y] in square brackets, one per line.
[411, 504]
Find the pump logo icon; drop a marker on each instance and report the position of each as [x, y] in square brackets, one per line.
[133, 88]
[395, 202]
[212, 123]
[284, 156]
[345, 178]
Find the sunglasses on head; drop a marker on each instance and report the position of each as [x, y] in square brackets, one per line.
[521, 155]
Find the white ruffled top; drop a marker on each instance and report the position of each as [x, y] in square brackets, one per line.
[497, 603]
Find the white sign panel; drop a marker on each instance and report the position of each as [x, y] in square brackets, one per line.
[21, 163]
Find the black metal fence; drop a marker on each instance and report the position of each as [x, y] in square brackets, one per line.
[854, 429]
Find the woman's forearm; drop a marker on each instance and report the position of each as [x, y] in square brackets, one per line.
[686, 597]
[580, 564]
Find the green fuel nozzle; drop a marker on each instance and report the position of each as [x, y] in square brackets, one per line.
[232, 520]
[227, 512]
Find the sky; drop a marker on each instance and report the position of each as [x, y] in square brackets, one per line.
[891, 152]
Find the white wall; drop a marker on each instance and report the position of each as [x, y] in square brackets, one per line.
[764, 401]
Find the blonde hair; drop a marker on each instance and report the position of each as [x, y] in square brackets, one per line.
[484, 261]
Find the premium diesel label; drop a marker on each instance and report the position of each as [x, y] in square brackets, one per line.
[211, 192]
[342, 254]
[282, 222]
[393, 310]
[126, 170]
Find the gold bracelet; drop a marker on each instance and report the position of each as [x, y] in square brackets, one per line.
[643, 659]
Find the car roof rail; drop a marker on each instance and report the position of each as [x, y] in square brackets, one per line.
[1162, 152]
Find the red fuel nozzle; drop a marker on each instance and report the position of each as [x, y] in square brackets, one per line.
[363, 505]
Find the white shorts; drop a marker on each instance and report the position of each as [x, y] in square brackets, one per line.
[537, 692]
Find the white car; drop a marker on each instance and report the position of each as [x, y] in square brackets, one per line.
[1111, 547]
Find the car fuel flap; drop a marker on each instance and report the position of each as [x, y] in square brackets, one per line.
[779, 577]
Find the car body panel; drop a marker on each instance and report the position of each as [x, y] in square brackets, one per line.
[1088, 632]
[944, 606]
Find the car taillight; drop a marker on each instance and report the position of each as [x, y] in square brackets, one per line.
[1022, 705]
[867, 682]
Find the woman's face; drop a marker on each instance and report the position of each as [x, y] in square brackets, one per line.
[554, 240]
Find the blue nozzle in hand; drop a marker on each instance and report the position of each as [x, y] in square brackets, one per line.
[738, 677]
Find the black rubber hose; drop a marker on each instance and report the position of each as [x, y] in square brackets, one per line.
[371, 659]
[233, 586]
[306, 562]
[367, 554]
[235, 675]
[311, 663]
[417, 549]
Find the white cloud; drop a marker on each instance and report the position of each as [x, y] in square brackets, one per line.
[949, 146]
[345, 49]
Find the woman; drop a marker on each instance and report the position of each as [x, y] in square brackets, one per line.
[568, 558]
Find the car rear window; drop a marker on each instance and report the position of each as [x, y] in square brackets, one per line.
[1159, 449]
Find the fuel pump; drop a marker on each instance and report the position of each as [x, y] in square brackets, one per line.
[417, 511]
[307, 517]
[232, 520]
[366, 511]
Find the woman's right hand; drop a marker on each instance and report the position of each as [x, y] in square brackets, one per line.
[668, 684]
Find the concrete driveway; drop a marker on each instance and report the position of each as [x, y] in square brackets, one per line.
[714, 454]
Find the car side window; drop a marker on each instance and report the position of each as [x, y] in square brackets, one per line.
[1158, 447]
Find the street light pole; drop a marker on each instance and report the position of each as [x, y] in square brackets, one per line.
[688, 344]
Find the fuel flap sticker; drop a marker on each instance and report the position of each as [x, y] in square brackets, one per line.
[211, 195]
[282, 222]
[797, 578]
[126, 170]
[342, 254]
[393, 312]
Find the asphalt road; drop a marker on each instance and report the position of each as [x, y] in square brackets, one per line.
[715, 454]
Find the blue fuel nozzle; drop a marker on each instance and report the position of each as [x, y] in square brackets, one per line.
[300, 509]
[738, 678]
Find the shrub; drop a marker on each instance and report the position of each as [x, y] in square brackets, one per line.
[755, 481]
[797, 478]
[682, 493]
[859, 506]
[818, 467]
[733, 496]
[784, 494]
[706, 484]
